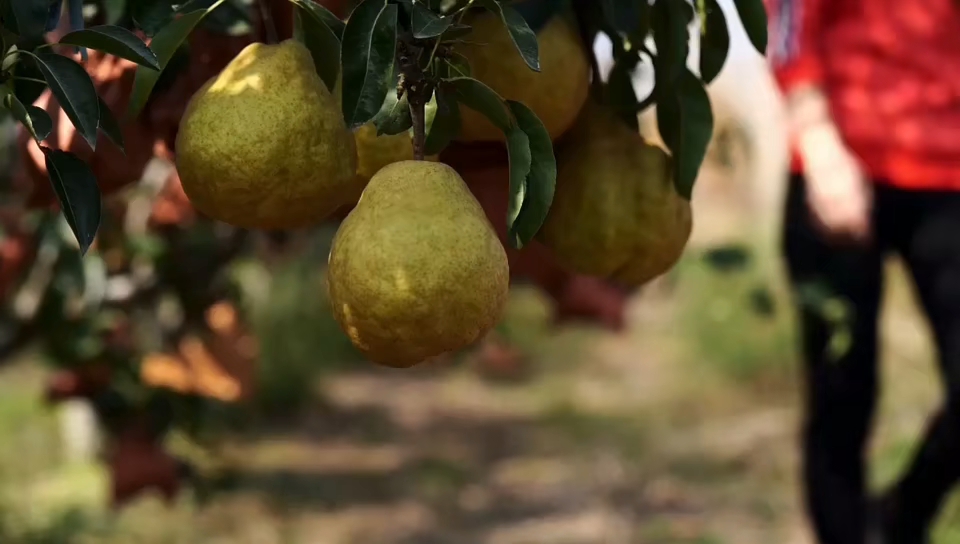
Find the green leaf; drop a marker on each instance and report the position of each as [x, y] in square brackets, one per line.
[458, 65]
[620, 94]
[34, 119]
[728, 258]
[530, 197]
[522, 35]
[427, 24]
[623, 15]
[754, 17]
[715, 44]
[30, 17]
[670, 36]
[151, 15]
[74, 90]
[114, 10]
[323, 44]
[77, 191]
[538, 13]
[110, 126]
[394, 117]
[455, 32]
[367, 57]
[323, 15]
[443, 123]
[27, 90]
[116, 41]
[42, 124]
[685, 121]
[762, 301]
[164, 44]
[8, 21]
[481, 98]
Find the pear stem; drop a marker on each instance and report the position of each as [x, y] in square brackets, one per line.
[419, 90]
[418, 115]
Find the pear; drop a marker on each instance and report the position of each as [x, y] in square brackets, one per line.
[263, 144]
[556, 93]
[416, 269]
[616, 213]
[374, 152]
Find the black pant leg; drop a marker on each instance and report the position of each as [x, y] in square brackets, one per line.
[840, 388]
[932, 251]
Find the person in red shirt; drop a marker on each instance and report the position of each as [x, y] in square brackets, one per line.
[872, 89]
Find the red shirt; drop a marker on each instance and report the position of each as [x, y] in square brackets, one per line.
[891, 72]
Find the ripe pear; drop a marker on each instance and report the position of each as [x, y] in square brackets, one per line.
[374, 152]
[556, 93]
[416, 269]
[616, 213]
[263, 144]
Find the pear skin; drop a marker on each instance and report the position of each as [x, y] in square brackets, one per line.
[264, 145]
[556, 93]
[616, 213]
[416, 268]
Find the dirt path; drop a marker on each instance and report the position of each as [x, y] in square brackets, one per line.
[659, 435]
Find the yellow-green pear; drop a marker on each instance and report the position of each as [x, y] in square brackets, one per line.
[264, 145]
[416, 268]
[374, 152]
[556, 93]
[616, 213]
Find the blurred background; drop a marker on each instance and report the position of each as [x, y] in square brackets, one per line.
[680, 427]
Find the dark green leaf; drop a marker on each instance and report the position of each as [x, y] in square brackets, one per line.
[620, 94]
[164, 45]
[715, 43]
[8, 20]
[685, 121]
[427, 24]
[30, 17]
[538, 12]
[531, 197]
[74, 90]
[323, 44]
[367, 57]
[458, 65]
[762, 301]
[520, 32]
[233, 18]
[116, 41]
[477, 96]
[114, 10]
[110, 126]
[151, 15]
[394, 116]
[442, 123]
[670, 36]
[323, 15]
[644, 24]
[521, 159]
[456, 31]
[623, 15]
[728, 258]
[77, 191]
[42, 124]
[754, 17]
[34, 119]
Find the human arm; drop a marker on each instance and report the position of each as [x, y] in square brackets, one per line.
[838, 193]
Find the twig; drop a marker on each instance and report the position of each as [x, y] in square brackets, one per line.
[418, 89]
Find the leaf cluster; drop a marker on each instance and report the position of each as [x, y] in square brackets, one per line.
[399, 68]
